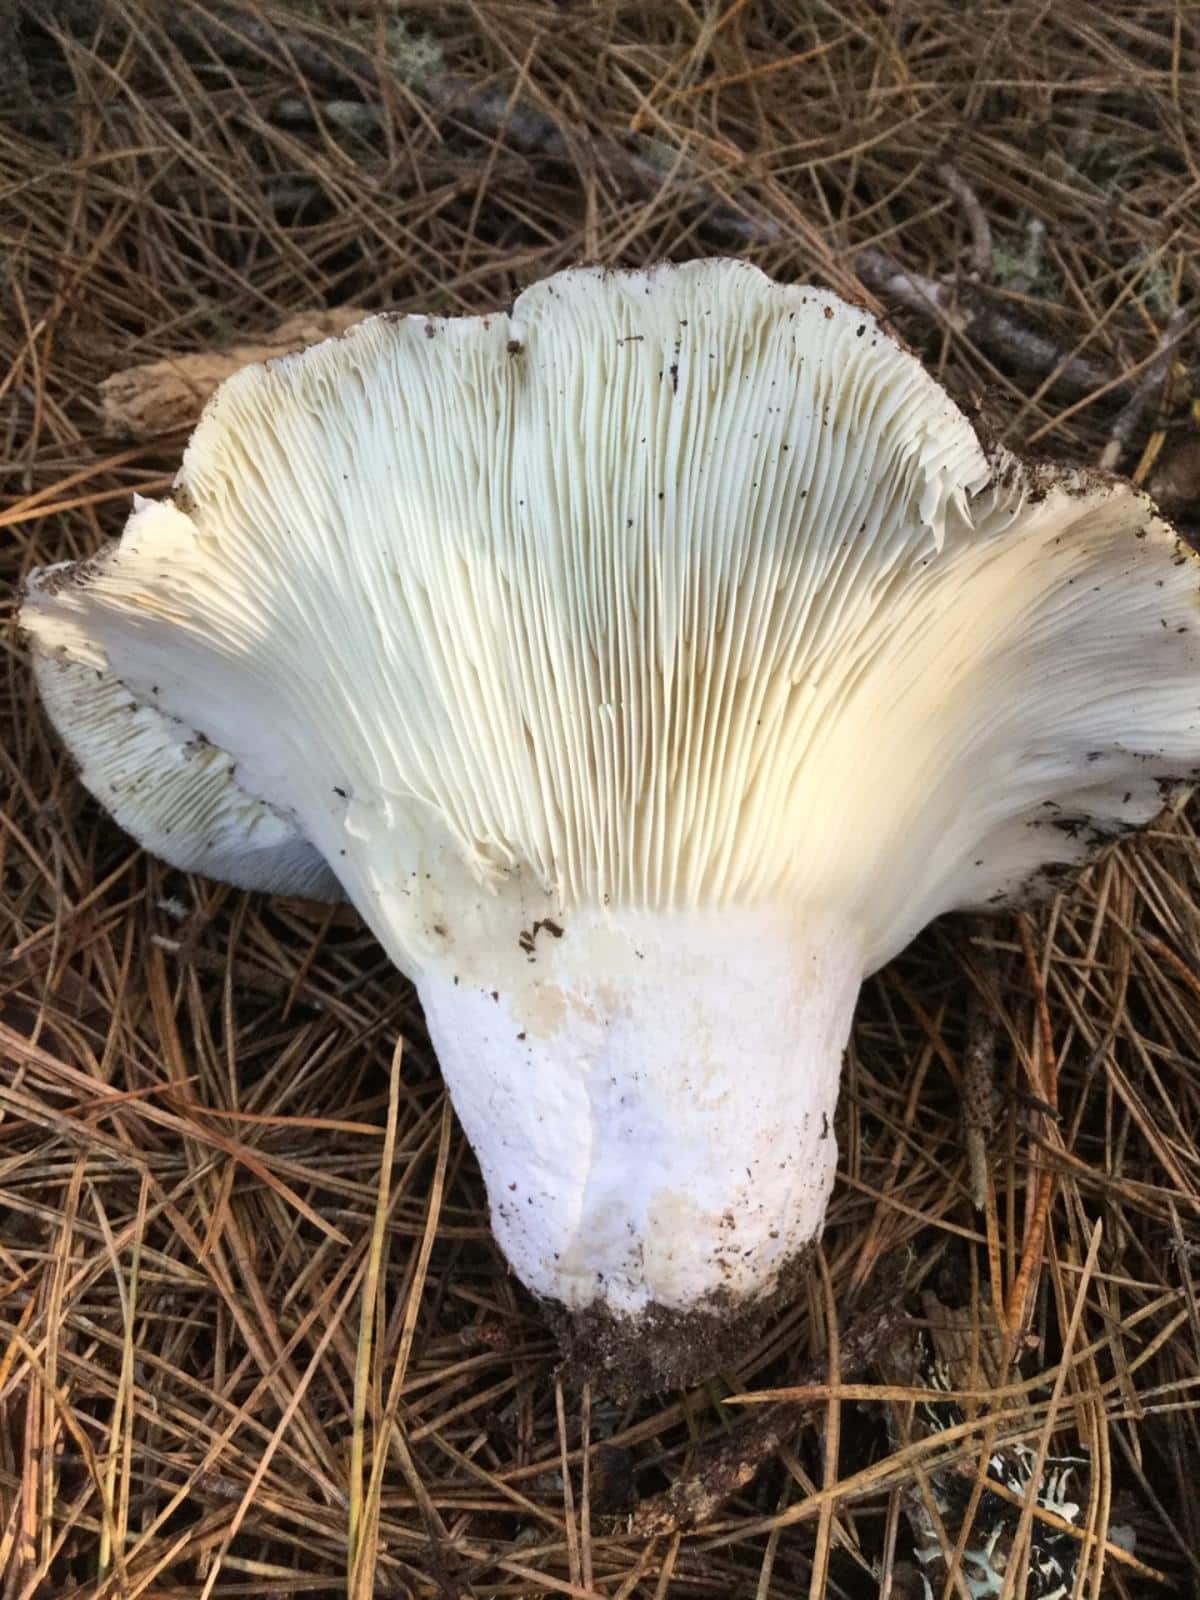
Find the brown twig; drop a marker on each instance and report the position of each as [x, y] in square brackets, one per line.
[1146, 390]
[981, 228]
[1045, 1087]
[159, 396]
[982, 319]
[979, 1066]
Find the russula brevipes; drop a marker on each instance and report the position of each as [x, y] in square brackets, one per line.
[647, 665]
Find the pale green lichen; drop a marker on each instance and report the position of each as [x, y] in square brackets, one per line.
[1156, 284]
[413, 56]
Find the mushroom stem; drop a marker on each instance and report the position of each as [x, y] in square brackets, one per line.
[651, 1097]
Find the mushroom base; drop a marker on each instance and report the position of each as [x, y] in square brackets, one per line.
[626, 1357]
[651, 1096]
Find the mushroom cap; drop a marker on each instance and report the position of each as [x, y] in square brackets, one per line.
[670, 588]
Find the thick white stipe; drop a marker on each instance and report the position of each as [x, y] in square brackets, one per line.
[651, 1096]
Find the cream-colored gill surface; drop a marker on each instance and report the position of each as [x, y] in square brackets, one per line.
[664, 590]
[174, 792]
[750, 448]
[1037, 695]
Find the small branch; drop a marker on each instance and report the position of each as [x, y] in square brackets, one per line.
[981, 232]
[159, 396]
[982, 319]
[729, 1463]
[1146, 391]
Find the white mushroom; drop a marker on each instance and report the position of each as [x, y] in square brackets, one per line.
[648, 664]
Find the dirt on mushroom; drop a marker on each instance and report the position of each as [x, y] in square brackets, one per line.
[674, 1349]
